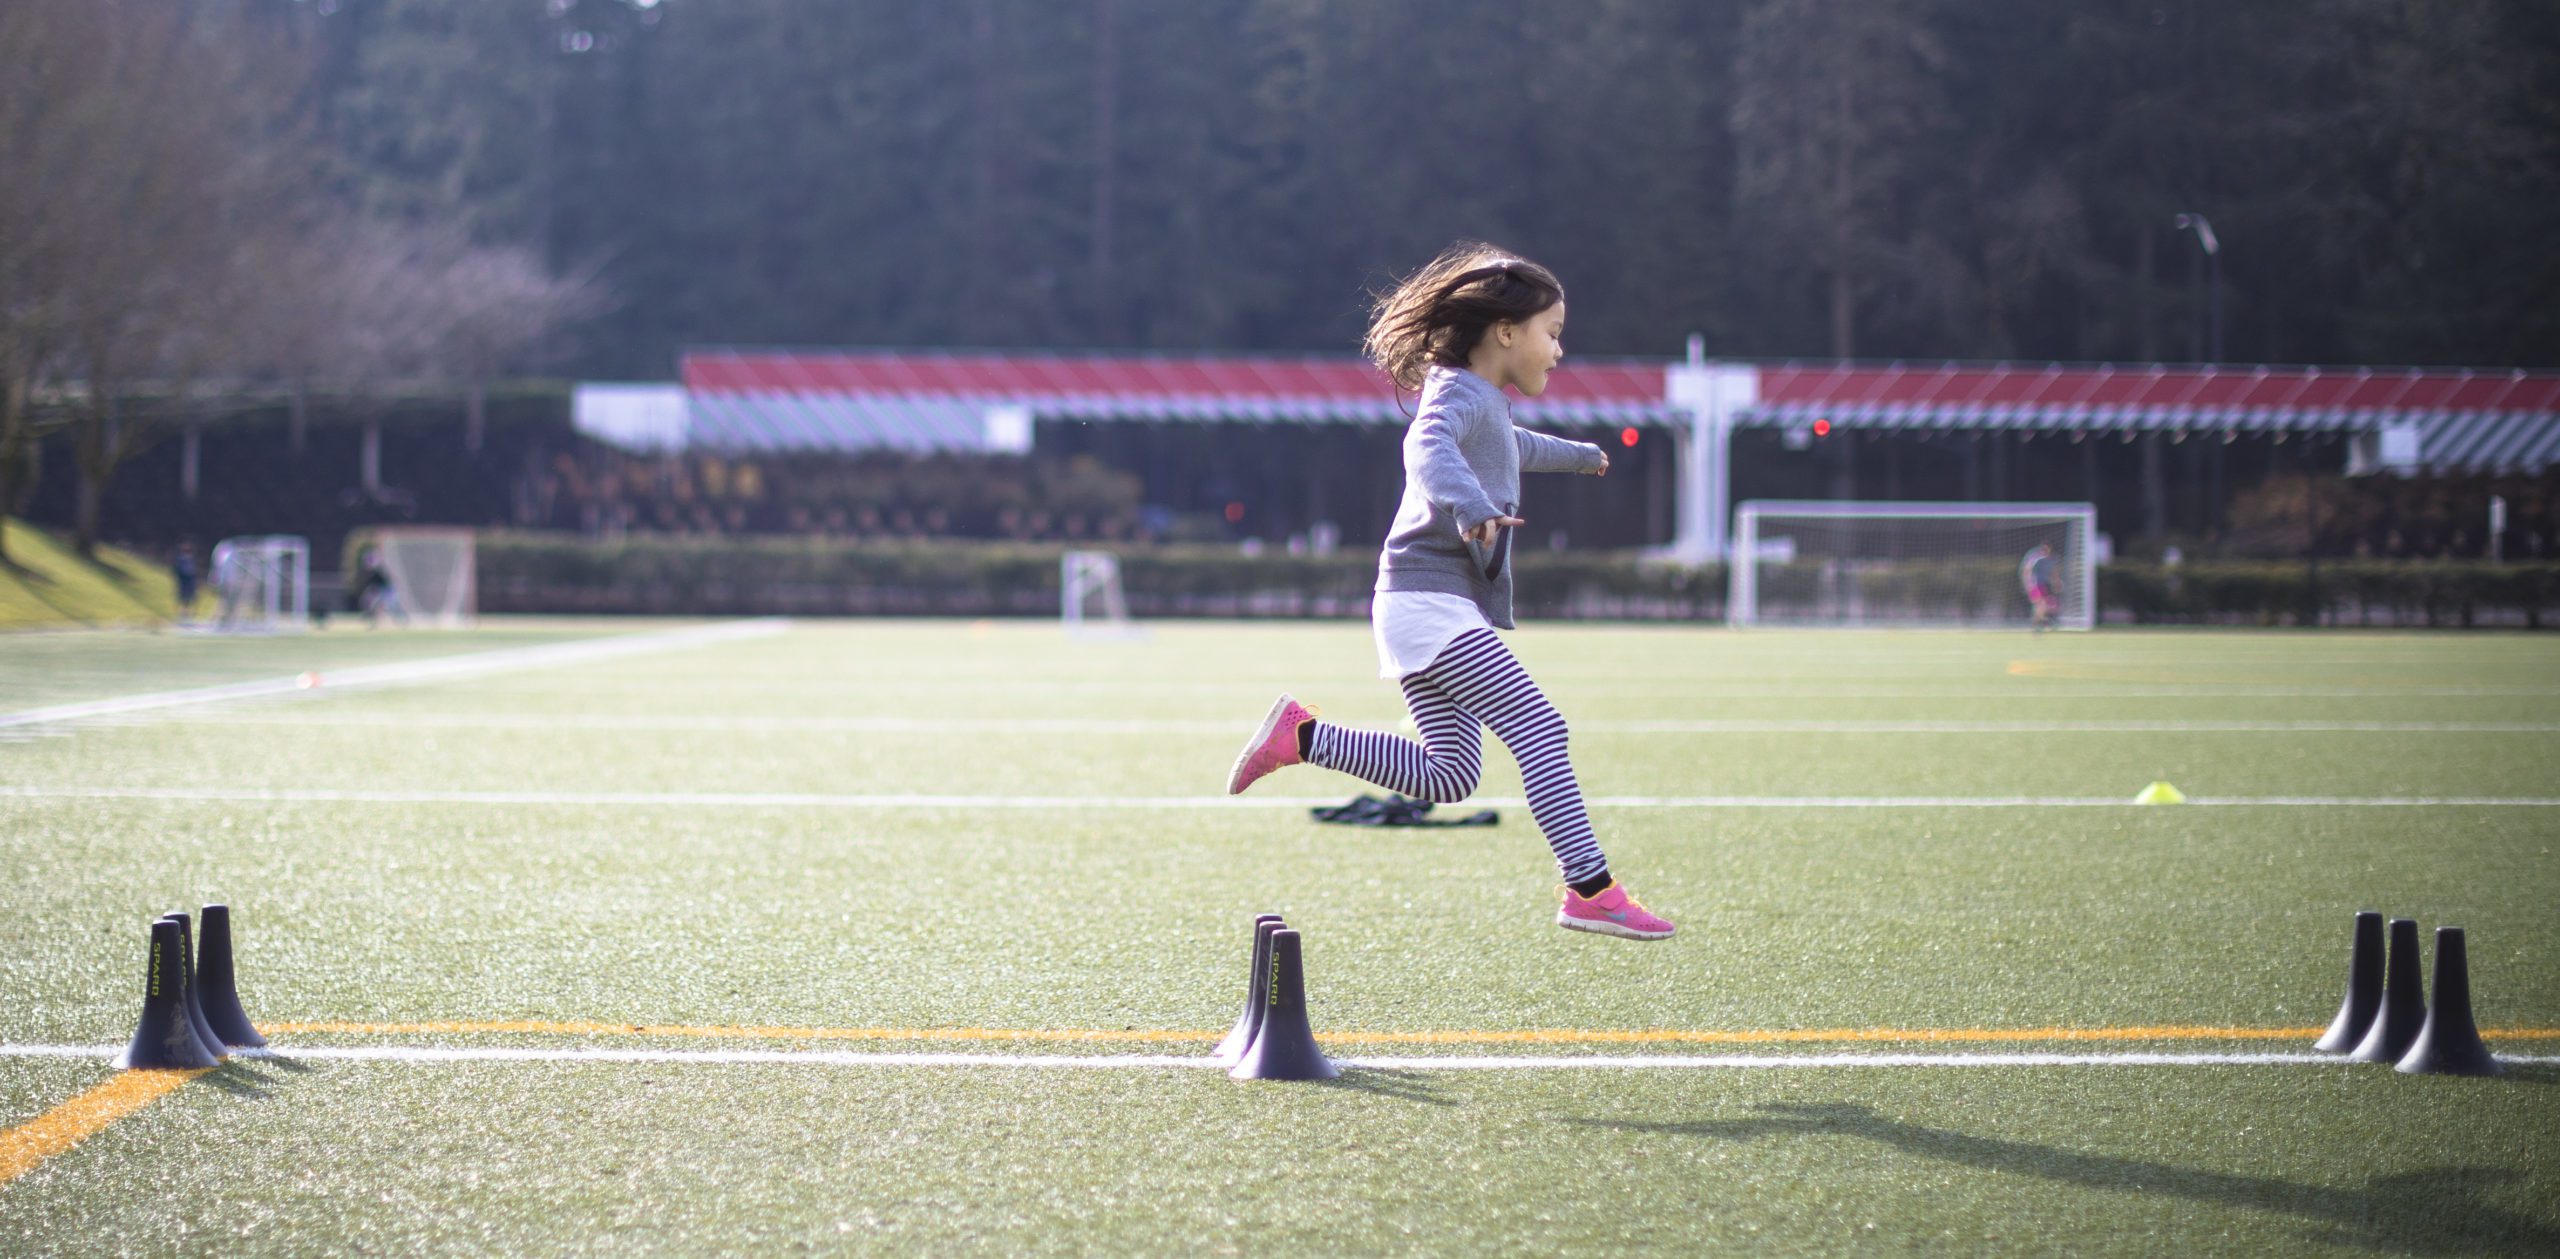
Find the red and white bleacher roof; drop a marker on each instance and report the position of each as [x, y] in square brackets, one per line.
[753, 399]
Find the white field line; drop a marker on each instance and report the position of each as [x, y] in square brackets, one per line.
[1124, 1062]
[2072, 727]
[1139, 726]
[858, 686]
[862, 685]
[401, 673]
[2009, 692]
[824, 800]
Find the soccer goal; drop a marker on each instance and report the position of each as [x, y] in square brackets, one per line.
[1952, 565]
[262, 584]
[1090, 599]
[433, 573]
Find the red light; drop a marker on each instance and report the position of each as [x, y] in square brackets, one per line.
[1822, 428]
[1627, 436]
[1235, 513]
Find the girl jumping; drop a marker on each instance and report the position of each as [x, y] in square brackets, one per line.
[1473, 321]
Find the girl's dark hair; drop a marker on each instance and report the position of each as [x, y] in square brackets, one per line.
[1437, 314]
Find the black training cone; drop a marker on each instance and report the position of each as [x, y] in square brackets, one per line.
[2449, 1044]
[217, 989]
[187, 984]
[2404, 1004]
[1257, 977]
[2364, 987]
[163, 1039]
[1285, 1048]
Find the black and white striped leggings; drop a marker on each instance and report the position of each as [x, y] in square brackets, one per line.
[1475, 680]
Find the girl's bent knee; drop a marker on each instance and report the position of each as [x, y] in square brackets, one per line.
[1451, 787]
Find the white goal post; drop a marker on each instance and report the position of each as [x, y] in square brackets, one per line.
[1090, 598]
[434, 573]
[1949, 565]
[262, 585]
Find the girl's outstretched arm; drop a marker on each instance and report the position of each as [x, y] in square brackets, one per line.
[1542, 453]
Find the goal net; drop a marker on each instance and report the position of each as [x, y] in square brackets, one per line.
[262, 585]
[1090, 597]
[432, 573]
[1983, 565]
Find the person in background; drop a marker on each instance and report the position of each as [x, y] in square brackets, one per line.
[189, 579]
[374, 595]
[2036, 575]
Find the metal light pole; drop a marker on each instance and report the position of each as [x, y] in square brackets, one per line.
[2212, 246]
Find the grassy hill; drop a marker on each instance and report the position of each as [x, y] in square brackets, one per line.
[47, 585]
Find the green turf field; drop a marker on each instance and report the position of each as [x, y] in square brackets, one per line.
[856, 843]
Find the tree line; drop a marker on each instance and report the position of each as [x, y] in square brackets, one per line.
[167, 258]
[1879, 178]
[1871, 178]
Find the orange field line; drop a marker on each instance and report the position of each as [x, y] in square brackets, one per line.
[1536, 1036]
[75, 1121]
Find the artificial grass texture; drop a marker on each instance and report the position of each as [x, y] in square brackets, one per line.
[942, 918]
[38, 670]
[591, 1159]
[46, 585]
[916, 918]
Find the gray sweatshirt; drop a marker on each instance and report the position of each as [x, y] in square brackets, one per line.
[1462, 466]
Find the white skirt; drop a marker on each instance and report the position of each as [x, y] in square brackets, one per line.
[1414, 626]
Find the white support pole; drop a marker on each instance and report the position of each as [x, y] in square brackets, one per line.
[1713, 395]
[1742, 588]
[271, 565]
[2084, 615]
[301, 583]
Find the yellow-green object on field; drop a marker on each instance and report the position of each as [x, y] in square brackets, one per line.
[2160, 793]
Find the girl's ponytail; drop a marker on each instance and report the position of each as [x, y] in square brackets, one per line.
[1439, 313]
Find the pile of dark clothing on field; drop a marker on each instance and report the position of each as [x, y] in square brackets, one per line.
[1396, 811]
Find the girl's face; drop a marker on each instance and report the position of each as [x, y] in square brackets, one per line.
[1526, 351]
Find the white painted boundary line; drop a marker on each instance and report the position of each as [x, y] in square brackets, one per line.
[1124, 1062]
[1104, 726]
[2074, 727]
[822, 800]
[2058, 802]
[401, 673]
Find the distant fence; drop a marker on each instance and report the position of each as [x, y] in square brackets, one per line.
[748, 575]
[2440, 593]
[763, 575]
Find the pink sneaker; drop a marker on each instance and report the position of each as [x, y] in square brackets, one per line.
[1274, 745]
[1613, 913]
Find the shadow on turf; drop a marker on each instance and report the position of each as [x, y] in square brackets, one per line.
[1404, 1086]
[2435, 1212]
[235, 1079]
[244, 1076]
